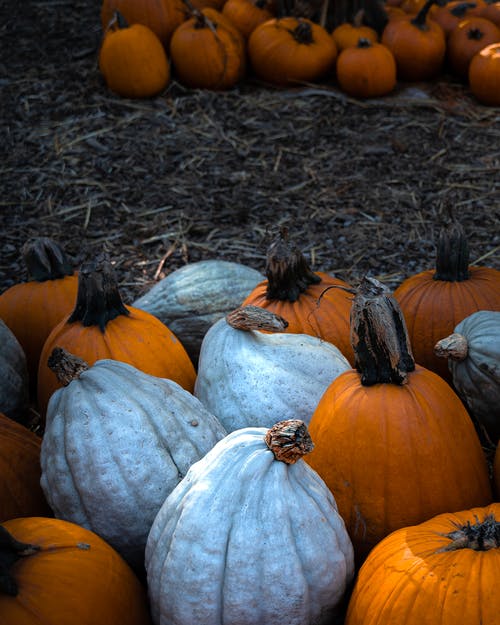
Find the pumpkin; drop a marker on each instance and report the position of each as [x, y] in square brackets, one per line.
[484, 75]
[435, 300]
[55, 572]
[20, 491]
[270, 546]
[466, 39]
[132, 60]
[491, 11]
[441, 572]
[473, 353]
[449, 15]
[246, 15]
[393, 441]
[251, 373]
[102, 326]
[190, 299]
[32, 309]
[496, 472]
[417, 43]
[208, 51]
[289, 50]
[314, 303]
[348, 34]
[366, 70]
[161, 16]
[109, 458]
[14, 393]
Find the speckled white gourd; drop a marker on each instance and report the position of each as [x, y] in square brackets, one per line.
[190, 299]
[248, 378]
[245, 539]
[13, 375]
[117, 441]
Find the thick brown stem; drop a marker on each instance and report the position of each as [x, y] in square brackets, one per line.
[480, 536]
[287, 270]
[46, 260]
[66, 366]
[255, 318]
[452, 258]
[454, 347]
[379, 336]
[11, 550]
[420, 20]
[289, 440]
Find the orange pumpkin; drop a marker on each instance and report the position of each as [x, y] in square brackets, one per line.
[101, 326]
[32, 309]
[484, 78]
[314, 303]
[59, 572]
[441, 572]
[496, 472]
[417, 43]
[382, 433]
[290, 50]
[132, 60]
[469, 37]
[348, 34]
[452, 13]
[434, 301]
[208, 51]
[491, 11]
[20, 491]
[246, 15]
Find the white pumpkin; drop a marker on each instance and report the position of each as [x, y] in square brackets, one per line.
[14, 388]
[251, 536]
[117, 441]
[251, 378]
[190, 299]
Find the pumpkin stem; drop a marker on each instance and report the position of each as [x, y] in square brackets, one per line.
[255, 318]
[363, 42]
[480, 536]
[382, 351]
[289, 440]
[475, 34]
[45, 260]
[98, 300]
[452, 258]
[10, 551]
[420, 19]
[461, 9]
[66, 366]
[288, 273]
[454, 347]
[302, 33]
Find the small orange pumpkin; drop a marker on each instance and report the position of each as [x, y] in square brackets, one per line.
[348, 34]
[290, 50]
[484, 75]
[491, 11]
[466, 39]
[246, 15]
[452, 13]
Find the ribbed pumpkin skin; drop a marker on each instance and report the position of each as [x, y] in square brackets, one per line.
[432, 309]
[13, 376]
[139, 339]
[248, 378]
[270, 548]
[328, 320]
[396, 455]
[190, 299]
[405, 579]
[33, 309]
[117, 441]
[20, 492]
[65, 583]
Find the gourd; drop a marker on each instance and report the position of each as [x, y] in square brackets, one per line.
[132, 60]
[484, 75]
[116, 442]
[441, 572]
[468, 38]
[102, 326]
[56, 572]
[251, 373]
[20, 491]
[393, 441]
[435, 300]
[32, 309]
[269, 547]
[190, 299]
[314, 303]
[289, 50]
[14, 390]
[473, 354]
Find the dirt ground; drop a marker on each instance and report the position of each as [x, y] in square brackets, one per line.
[362, 186]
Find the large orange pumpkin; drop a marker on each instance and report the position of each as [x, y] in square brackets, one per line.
[393, 441]
[314, 303]
[57, 572]
[102, 326]
[442, 572]
[434, 301]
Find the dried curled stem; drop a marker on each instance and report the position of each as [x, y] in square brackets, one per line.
[289, 440]
[255, 318]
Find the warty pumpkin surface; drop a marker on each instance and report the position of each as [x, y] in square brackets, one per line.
[268, 547]
[442, 572]
[60, 573]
